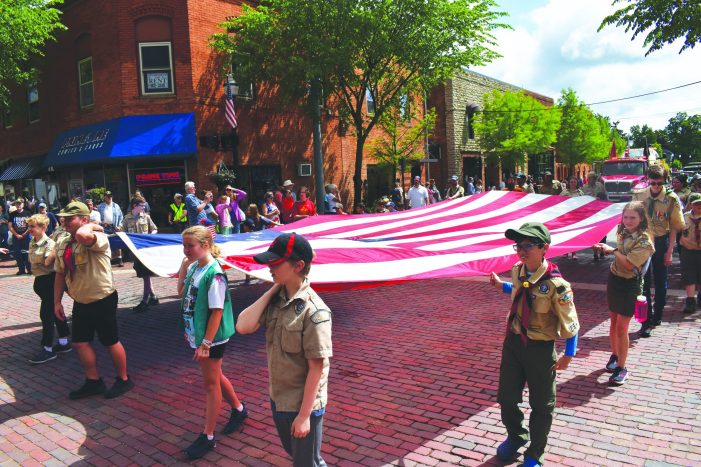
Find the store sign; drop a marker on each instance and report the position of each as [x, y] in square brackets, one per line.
[84, 142]
[158, 178]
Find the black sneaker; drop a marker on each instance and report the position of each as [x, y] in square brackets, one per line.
[59, 348]
[690, 305]
[140, 308]
[120, 263]
[153, 300]
[235, 421]
[200, 447]
[645, 331]
[612, 364]
[42, 356]
[91, 387]
[618, 377]
[119, 387]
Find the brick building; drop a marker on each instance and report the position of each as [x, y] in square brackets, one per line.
[454, 139]
[131, 96]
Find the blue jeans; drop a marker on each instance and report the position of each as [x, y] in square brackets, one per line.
[657, 272]
[20, 250]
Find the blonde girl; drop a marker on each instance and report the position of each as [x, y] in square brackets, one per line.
[209, 323]
[634, 248]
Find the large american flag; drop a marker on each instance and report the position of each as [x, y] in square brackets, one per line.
[461, 237]
[229, 106]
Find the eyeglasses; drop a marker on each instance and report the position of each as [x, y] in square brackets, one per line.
[525, 246]
[655, 183]
[229, 189]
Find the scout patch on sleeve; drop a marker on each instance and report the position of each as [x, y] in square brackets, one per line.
[644, 243]
[565, 298]
[573, 327]
[320, 316]
[561, 289]
[299, 307]
[544, 288]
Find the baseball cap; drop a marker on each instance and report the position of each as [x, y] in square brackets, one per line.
[286, 246]
[42, 205]
[177, 195]
[287, 183]
[108, 193]
[390, 204]
[694, 198]
[531, 230]
[547, 172]
[417, 178]
[76, 208]
[454, 177]
[18, 200]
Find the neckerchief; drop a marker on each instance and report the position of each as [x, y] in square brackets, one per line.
[697, 232]
[524, 296]
[69, 261]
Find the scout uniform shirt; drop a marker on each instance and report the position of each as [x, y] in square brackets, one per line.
[87, 270]
[297, 329]
[552, 312]
[663, 212]
[691, 237]
[39, 250]
[637, 247]
[142, 224]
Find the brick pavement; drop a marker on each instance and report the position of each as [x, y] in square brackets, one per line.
[413, 382]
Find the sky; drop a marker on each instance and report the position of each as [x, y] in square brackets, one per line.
[554, 45]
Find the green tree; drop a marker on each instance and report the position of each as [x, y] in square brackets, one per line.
[402, 136]
[641, 135]
[583, 136]
[664, 21]
[683, 133]
[25, 27]
[382, 48]
[513, 125]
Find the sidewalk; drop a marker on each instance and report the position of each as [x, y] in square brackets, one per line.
[413, 382]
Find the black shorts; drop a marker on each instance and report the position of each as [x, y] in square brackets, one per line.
[622, 293]
[691, 266]
[98, 317]
[217, 351]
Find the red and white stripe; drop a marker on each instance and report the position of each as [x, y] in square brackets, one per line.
[229, 110]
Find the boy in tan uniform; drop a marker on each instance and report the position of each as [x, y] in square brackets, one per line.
[691, 252]
[83, 269]
[665, 217]
[298, 342]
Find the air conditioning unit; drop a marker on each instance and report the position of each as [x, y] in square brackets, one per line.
[304, 169]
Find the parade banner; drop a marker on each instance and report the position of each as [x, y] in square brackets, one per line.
[453, 238]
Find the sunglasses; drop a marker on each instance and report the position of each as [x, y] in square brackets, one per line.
[525, 246]
[656, 183]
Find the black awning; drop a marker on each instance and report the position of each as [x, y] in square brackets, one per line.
[21, 168]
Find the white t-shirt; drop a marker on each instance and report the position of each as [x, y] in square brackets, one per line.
[109, 216]
[216, 296]
[95, 217]
[417, 196]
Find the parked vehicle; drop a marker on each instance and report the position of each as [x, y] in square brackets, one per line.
[623, 175]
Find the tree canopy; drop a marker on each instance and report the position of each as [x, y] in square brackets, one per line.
[379, 48]
[25, 27]
[512, 125]
[683, 137]
[664, 21]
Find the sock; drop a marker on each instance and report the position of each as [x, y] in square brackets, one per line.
[63, 340]
[240, 408]
[210, 437]
[48, 349]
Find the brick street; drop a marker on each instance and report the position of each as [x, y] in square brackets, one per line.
[413, 382]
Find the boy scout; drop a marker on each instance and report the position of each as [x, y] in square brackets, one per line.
[83, 269]
[691, 252]
[542, 310]
[298, 342]
[665, 217]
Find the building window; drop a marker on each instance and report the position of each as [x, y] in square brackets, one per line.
[404, 107]
[156, 68]
[369, 102]
[469, 121]
[242, 89]
[6, 116]
[33, 103]
[85, 83]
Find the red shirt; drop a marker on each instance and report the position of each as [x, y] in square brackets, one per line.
[304, 208]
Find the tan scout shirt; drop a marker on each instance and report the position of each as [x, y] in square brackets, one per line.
[39, 250]
[142, 224]
[667, 211]
[688, 239]
[92, 279]
[297, 329]
[637, 247]
[553, 314]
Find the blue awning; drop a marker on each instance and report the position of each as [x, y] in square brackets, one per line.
[21, 168]
[140, 136]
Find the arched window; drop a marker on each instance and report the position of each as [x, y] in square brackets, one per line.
[154, 39]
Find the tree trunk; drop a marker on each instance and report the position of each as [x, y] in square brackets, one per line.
[358, 172]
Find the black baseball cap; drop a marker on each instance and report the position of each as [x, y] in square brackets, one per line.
[530, 230]
[287, 246]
